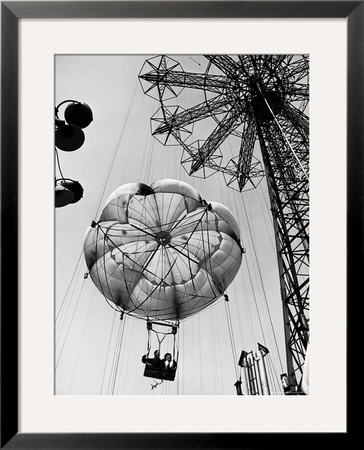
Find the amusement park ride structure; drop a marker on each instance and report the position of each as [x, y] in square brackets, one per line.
[258, 99]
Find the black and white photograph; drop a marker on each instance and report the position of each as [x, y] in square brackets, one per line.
[182, 224]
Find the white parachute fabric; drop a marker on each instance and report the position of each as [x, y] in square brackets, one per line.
[161, 252]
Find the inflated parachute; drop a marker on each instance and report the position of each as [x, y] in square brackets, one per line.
[161, 252]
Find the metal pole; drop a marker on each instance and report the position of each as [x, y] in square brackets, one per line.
[262, 373]
[245, 385]
[251, 375]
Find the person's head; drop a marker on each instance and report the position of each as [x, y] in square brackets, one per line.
[157, 354]
[168, 357]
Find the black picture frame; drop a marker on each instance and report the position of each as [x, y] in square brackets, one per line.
[11, 11]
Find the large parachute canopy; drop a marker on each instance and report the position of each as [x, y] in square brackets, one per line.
[161, 252]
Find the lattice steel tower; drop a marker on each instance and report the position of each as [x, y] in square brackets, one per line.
[262, 100]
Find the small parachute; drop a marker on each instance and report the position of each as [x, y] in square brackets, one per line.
[160, 252]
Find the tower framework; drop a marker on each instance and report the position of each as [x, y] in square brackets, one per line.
[260, 100]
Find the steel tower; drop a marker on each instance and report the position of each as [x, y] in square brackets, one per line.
[262, 100]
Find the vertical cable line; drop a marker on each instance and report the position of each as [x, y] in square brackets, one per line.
[129, 334]
[212, 337]
[232, 202]
[283, 134]
[81, 342]
[116, 359]
[255, 300]
[232, 340]
[150, 162]
[112, 161]
[178, 378]
[69, 327]
[200, 353]
[118, 355]
[113, 364]
[107, 355]
[264, 293]
[244, 286]
[206, 251]
[274, 377]
[69, 286]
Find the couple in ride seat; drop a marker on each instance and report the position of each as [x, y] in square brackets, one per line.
[166, 363]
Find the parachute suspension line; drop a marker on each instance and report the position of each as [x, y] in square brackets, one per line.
[249, 314]
[238, 318]
[214, 352]
[104, 261]
[200, 353]
[232, 202]
[119, 354]
[112, 161]
[107, 355]
[255, 298]
[231, 335]
[207, 251]
[105, 237]
[283, 134]
[219, 340]
[267, 218]
[274, 376]
[126, 354]
[78, 267]
[250, 277]
[150, 163]
[116, 359]
[271, 374]
[193, 319]
[188, 257]
[80, 344]
[69, 326]
[244, 282]
[148, 342]
[176, 355]
[264, 292]
[267, 206]
[113, 370]
[160, 340]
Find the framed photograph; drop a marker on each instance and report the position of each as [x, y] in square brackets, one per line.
[194, 142]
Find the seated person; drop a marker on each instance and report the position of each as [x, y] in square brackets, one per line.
[168, 363]
[155, 362]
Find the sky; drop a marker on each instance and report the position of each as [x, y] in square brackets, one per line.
[96, 352]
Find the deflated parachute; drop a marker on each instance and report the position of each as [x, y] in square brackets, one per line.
[161, 252]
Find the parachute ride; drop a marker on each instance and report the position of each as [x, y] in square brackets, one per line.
[161, 252]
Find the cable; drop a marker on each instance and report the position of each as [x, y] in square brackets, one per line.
[112, 161]
[69, 286]
[107, 355]
[69, 327]
[116, 358]
[80, 345]
[118, 355]
[231, 335]
[262, 284]
[283, 134]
